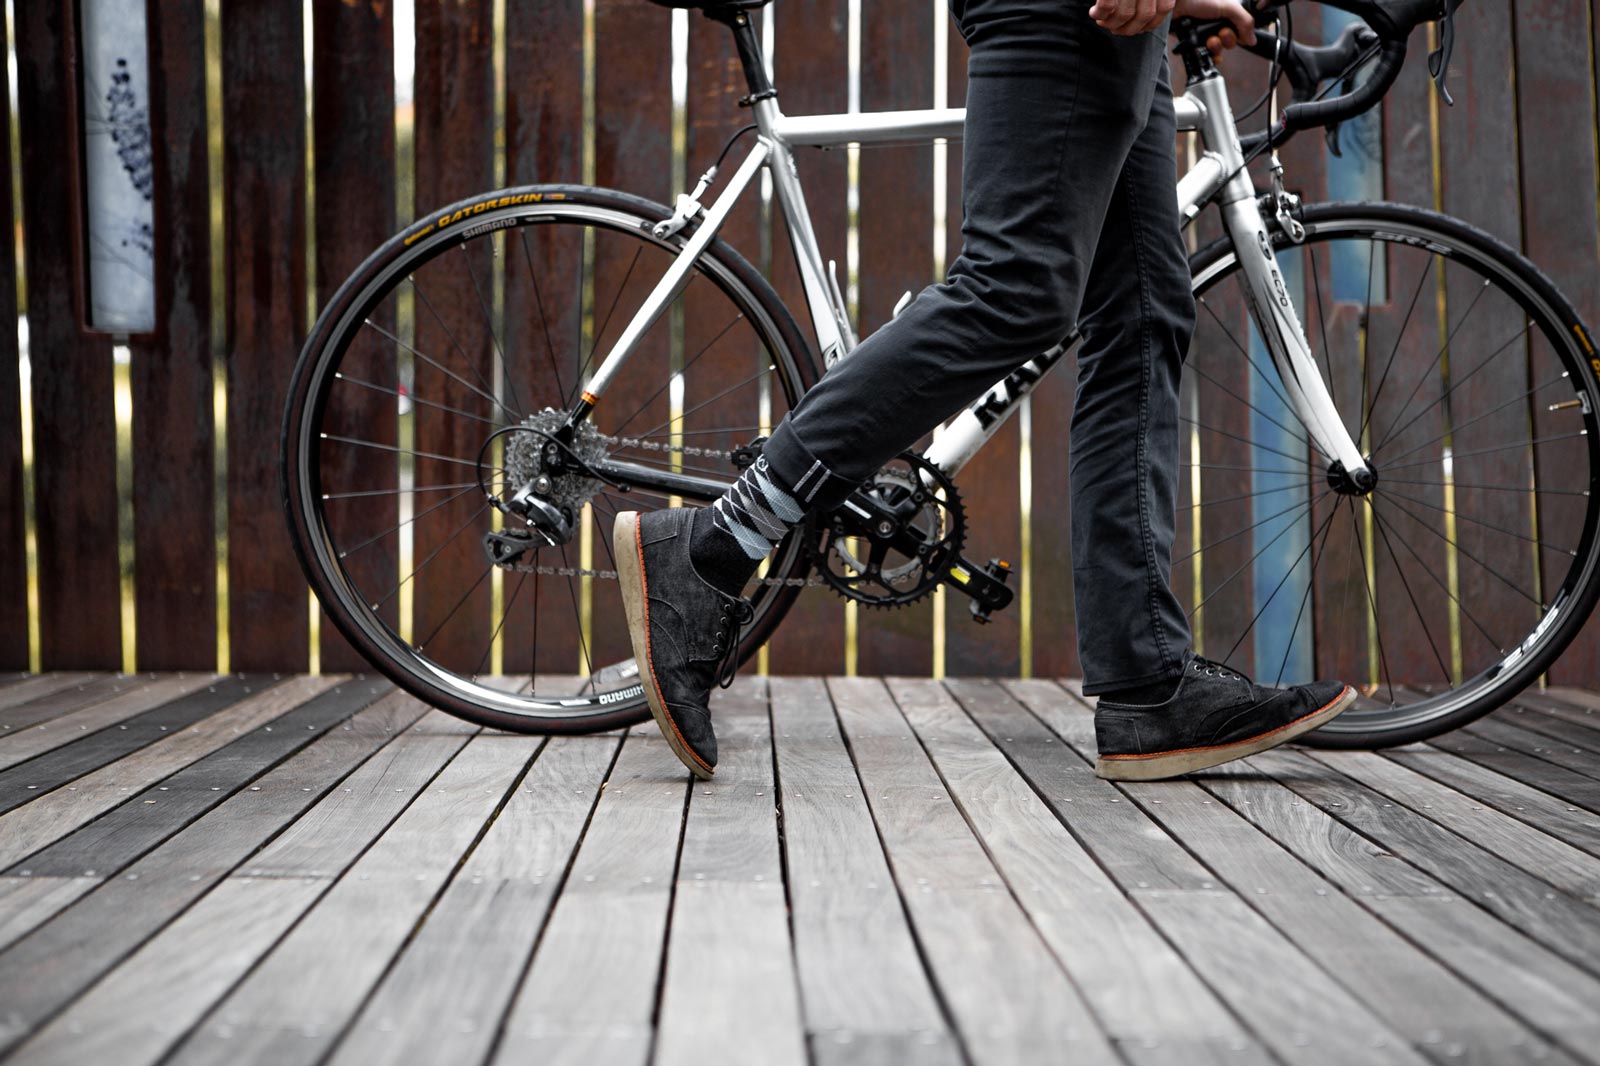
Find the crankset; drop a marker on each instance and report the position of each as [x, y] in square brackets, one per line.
[900, 536]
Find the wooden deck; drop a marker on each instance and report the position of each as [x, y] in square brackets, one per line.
[319, 869]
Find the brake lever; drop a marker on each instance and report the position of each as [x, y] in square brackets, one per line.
[1439, 58]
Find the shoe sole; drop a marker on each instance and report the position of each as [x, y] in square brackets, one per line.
[636, 605]
[1187, 761]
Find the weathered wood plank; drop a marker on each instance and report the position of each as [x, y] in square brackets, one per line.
[264, 209]
[1144, 994]
[1553, 718]
[38, 776]
[730, 977]
[1010, 1000]
[1577, 827]
[300, 998]
[862, 983]
[1113, 830]
[146, 818]
[46, 969]
[170, 372]
[1297, 1008]
[590, 994]
[1516, 896]
[74, 427]
[1579, 762]
[1516, 842]
[1558, 781]
[1533, 982]
[48, 708]
[464, 963]
[40, 685]
[26, 902]
[1438, 1013]
[47, 736]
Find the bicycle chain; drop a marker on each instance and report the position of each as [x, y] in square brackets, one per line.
[611, 575]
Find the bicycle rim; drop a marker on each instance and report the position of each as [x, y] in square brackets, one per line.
[424, 394]
[1465, 377]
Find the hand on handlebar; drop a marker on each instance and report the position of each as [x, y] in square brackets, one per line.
[1244, 25]
[1129, 17]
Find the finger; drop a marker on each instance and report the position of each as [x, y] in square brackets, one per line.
[1214, 45]
[1245, 25]
[1227, 38]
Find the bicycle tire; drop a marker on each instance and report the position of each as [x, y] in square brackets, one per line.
[340, 319]
[1437, 707]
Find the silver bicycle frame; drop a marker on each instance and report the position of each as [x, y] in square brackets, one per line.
[1219, 173]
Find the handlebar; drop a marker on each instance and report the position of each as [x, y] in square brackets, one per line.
[1388, 26]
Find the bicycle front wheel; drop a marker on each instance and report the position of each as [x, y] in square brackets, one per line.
[1470, 382]
[431, 392]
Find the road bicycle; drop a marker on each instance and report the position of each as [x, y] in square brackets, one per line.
[1392, 485]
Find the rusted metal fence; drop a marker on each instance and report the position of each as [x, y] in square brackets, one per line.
[565, 90]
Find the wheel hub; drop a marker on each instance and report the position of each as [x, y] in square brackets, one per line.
[1361, 483]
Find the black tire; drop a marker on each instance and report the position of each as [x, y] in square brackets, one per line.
[1563, 559]
[619, 216]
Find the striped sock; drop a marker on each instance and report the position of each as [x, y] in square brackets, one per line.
[733, 535]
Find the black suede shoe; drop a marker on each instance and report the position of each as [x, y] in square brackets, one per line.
[1215, 716]
[685, 632]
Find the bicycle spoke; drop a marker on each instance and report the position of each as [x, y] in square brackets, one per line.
[443, 370]
[1445, 588]
[1246, 353]
[1281, 582]
[1242, 440]
[544, 322]
[577, 616]
[1487, 414]
[488, 648]
[1451, 391]
[419, 400]
[1301, 432]
[1415, 607]
[1483, 565]
[1437, 356]
[1305, 597]
[1240, 533]
[1398, 337]
[601, 332]
[1454, 456]
[1254, 469]
[1306, 505]
[471, 363]
[396, 528]
[1372, 605]
[667, 384]
[1484, 488]
[1385, 492]
[725, 392]
[1243, 496]
[396, 492]
[406, 451]
[488, 325]
[422, 646]
[431, 557]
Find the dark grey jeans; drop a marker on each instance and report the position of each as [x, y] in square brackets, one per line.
[1068, 178]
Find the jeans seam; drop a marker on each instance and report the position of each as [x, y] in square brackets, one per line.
[1142, 453]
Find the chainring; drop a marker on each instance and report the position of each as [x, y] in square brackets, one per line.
[869, 569]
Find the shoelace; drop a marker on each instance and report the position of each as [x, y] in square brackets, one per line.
[735, 613]
[1202, 665]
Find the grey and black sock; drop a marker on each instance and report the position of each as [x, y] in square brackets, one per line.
[731, 537]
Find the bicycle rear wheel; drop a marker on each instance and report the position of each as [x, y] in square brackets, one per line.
[426, 397]
[1469, 381]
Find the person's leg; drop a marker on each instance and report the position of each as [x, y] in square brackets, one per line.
[1054, 104]
[1136, 321]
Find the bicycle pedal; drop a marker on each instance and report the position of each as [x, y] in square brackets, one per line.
[986, 585]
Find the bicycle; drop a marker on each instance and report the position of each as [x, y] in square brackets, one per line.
[503, 430]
